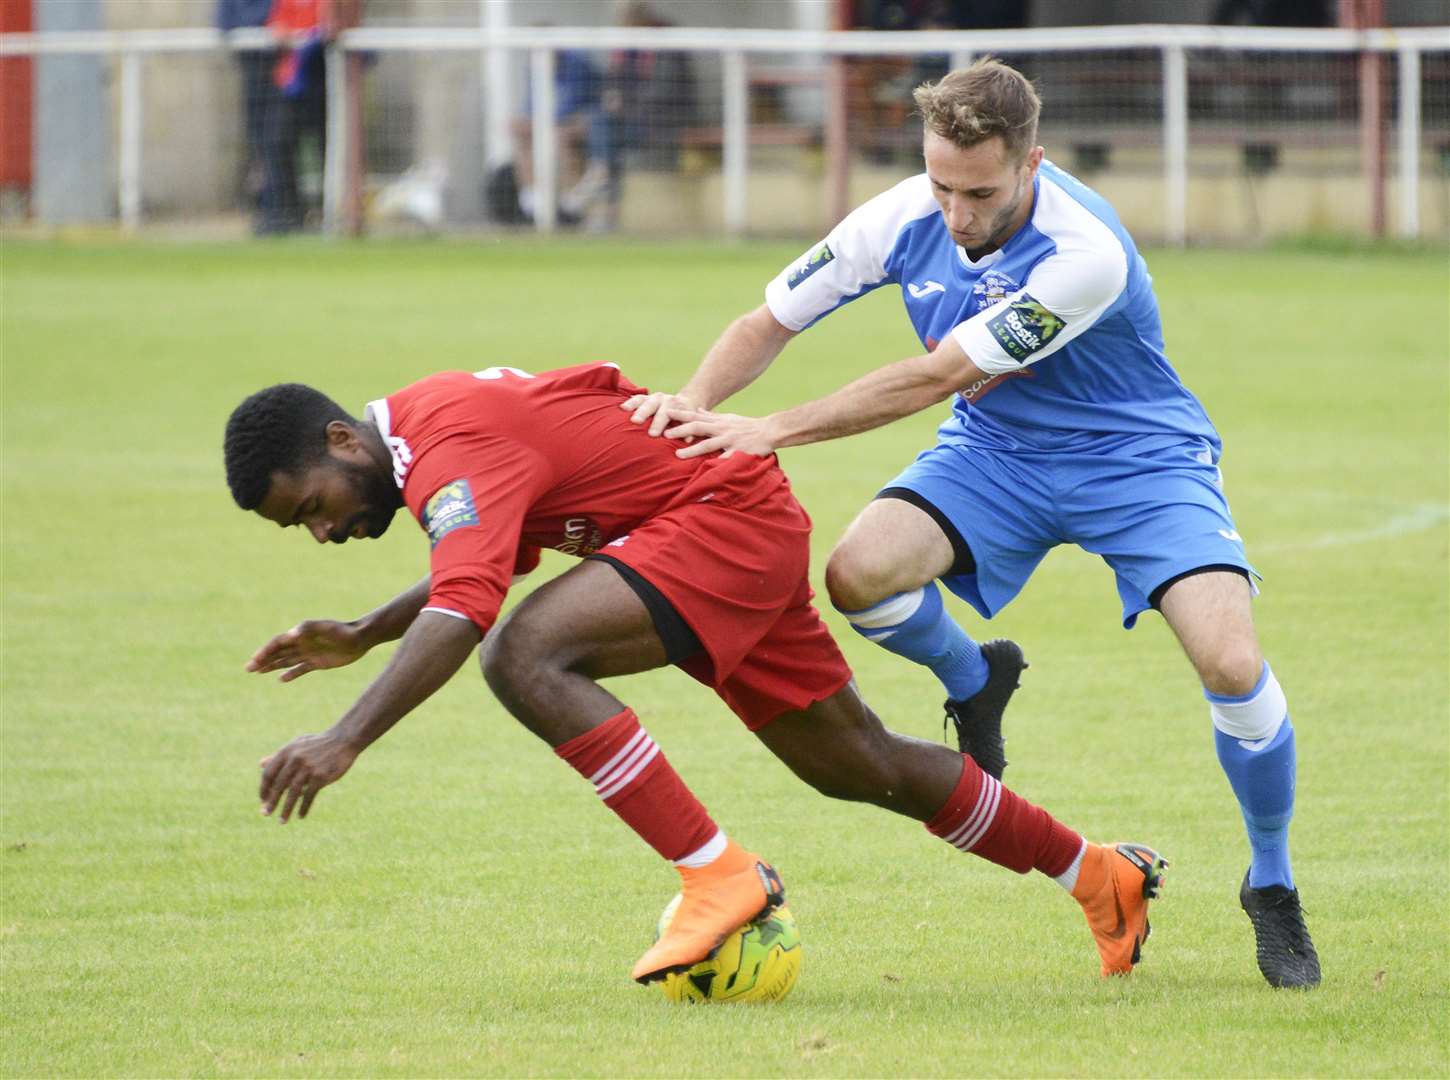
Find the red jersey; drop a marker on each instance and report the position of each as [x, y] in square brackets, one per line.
[500, 463]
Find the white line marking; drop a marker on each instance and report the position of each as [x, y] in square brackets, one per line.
[1416, 519]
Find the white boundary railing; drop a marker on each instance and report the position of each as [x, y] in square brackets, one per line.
[734, 46]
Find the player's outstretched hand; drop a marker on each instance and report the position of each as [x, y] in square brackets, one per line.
[659, 409]
[300, 770]
[722, 433]
[309, 646]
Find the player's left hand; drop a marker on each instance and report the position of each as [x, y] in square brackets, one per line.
[722, 433]
[300, 770]
[659, 409]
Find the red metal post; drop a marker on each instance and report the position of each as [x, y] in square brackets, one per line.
[1362, 15]
[17, 89]
[837, 148]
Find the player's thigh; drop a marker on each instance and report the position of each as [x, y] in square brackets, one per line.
[588, 620]
[1211, 613]
[891, 547]
[1156, 516]
[789, 666]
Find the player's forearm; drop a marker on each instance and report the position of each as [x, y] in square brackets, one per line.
[887, 394]
[433, 649]
[390, 621]
[737, 359]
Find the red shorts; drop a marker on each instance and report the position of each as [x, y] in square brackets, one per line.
[732, 559]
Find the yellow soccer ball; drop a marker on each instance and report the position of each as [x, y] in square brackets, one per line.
[759, 962]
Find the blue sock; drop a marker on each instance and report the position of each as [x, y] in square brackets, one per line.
[1257, 754]
[916, 625]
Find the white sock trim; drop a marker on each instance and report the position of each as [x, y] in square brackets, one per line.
[1068, 878]
[712, 849]
[1256, 719]
[893, 611]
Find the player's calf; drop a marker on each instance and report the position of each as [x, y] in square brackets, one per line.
[842, 749]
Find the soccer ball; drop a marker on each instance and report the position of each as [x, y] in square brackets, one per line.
[759, 962]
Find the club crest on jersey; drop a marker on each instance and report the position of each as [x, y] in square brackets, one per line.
[992, 288]
[814, 261]
[1023, 327]
[451, 507]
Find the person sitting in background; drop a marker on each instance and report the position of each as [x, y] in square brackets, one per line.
[576, 102]
[649, 97]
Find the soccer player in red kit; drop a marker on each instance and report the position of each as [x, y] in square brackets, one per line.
[698, 562]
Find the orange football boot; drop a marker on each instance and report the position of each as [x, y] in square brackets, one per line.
[1114, 885]
[717, 900]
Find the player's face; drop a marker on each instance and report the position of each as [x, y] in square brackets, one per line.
[984, 195]
[335, 500]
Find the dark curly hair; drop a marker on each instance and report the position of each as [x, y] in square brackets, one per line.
[280, 429]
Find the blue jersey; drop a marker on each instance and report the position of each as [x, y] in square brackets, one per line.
[1062, 318]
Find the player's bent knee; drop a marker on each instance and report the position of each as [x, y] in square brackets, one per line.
[515, 655]
[500, 665]
[855, 580]
[1231, 669]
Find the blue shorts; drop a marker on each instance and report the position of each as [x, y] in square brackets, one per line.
[1152, 506]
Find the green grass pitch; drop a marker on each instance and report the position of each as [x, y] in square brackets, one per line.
[460, 905]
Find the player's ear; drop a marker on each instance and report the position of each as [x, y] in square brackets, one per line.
[1034, 159]
[341, 436]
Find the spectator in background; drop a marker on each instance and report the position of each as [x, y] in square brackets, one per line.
[297, 107]
[953, 14]
[1272, 13]
[648, 99]
[256, 70]
[576, 102]
[880, 86]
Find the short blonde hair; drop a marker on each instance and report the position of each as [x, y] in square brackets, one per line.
[973, 104]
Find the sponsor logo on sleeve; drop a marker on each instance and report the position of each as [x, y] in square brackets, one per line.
[814, 261]
[451, 507]
[1023, 327]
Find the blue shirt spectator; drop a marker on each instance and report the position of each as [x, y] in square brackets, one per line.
[577, 85]
[231, 14]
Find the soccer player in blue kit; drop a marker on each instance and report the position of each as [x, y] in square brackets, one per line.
[1068, 425]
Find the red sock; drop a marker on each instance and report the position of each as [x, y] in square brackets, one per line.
[983, 817]
[630, 773]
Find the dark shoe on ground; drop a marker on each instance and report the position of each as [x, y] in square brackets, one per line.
[978, 719]
[1286, 955]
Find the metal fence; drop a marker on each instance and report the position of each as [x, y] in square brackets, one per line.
[1194, 132]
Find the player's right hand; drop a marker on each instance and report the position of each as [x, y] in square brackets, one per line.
[309, 646]
[659, 409]
[297, 772]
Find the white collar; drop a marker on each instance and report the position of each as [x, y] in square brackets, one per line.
[381, 416]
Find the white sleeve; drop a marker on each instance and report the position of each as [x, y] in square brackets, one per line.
[1065, 294]
[852, 259]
